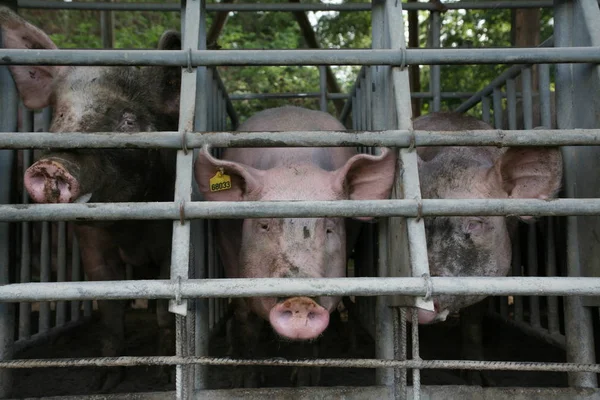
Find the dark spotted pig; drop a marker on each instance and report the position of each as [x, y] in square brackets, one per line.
[91, 99]
[289, 247]
[476, 246]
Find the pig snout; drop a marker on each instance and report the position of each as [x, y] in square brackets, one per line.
[299, 318]
[48, 181]
[429, 317]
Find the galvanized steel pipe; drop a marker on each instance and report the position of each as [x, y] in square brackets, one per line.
[255, 287]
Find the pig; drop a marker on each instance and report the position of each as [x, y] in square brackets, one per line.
[288, 247]
[92, 99]
[476, 246]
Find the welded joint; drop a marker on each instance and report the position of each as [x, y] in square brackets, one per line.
[182, 212]
[402, 65]
[419, 209]
[189, 68]
[178, 305]
[428, 287]
[184, 141]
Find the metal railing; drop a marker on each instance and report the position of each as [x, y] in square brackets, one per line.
[395, 130]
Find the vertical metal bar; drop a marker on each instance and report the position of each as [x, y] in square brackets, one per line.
[485, 109]
[107, 26]
[553, 324]
[511, 103]
[416, 356]
[323, 88]
[527, 100]
[532, 270]
[8, 123]
[194, 37]
[25, 267]
[402, 392]
[384, 329]
[44, 313]
[75, 277]
[497, 98]
[61, 306]
[435, 78]
[517, 271]
[544, 90]
[357, 110]
[369, 97]
[578, 319]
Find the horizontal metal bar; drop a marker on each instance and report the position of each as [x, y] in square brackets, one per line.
[389, 138]
[299, 393]
[335, 363]
[454, 392]
[297, 209]
[112, 396]
[335, 96]
[183, 58]
[256, 287]
[42, 4]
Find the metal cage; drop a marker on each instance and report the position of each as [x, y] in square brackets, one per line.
[391, 269]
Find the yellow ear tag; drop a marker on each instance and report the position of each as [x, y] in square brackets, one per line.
[220, 181]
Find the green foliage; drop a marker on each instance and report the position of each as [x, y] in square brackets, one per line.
[277, 30]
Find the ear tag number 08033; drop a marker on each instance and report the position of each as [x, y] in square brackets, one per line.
[220, 181]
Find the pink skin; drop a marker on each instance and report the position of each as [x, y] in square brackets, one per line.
[48, 181]
[299, 318]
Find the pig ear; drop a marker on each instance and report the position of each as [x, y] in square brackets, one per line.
[368, 177]
[244, 179]
[171, 81]
[34, 82]
[529, 172]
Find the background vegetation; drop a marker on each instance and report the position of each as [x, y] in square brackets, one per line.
[279, 30]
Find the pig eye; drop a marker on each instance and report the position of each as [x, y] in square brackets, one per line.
[474, 225]
[128, 123]
[263, 226]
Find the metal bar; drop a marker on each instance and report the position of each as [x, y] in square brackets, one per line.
[335, 96]
[195, 58]
[552, 302]
[544, 90]
[511, 102]
[532, 270]
[8, 122]
[323, 88]
[45, 259]
[401, 391]
[510, 73]
[385, 138]
[61, 276]
[411, 188]
[416, 356]
[299, 209]
[517, 268]
[334, 363]
[384, 328]
[165, 289]
[526, 86]
[497, 100]
[25, 270]
[556, 340]
[429, 392]
[435, 69]
[215, 7]
[75, 277]
[578, 319]
[358, 393]
[485, 105]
